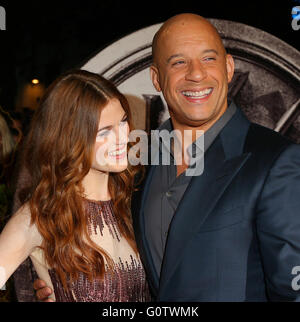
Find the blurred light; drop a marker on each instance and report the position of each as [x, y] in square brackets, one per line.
[35, 81]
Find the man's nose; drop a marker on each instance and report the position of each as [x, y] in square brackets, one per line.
[196, 71]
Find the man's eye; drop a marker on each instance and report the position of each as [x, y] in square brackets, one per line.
[209, 58]
[179, 62]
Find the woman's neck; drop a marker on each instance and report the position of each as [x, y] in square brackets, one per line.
[95, 185]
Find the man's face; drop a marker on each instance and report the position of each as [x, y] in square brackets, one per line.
[192, 70]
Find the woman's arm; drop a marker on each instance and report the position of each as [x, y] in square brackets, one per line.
[17, 240]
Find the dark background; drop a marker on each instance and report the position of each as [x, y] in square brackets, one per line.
[45, 38]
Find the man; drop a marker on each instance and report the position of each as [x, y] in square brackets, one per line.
[233, 232]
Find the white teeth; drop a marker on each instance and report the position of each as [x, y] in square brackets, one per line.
[115, 153]
[198, 94]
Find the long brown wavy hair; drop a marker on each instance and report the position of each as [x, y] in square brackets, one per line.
[58, 156]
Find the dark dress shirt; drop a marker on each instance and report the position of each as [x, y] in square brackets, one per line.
[167, 189]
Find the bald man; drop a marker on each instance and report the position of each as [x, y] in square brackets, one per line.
[231, 232]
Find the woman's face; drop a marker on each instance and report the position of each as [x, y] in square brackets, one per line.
[110, 151]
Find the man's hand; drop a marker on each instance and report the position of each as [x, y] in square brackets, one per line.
[42, 291]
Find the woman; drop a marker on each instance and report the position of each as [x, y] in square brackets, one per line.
[76, 224]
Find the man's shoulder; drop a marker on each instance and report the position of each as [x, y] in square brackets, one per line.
[262, 141]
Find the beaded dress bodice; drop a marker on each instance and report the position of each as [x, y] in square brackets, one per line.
[125, 283]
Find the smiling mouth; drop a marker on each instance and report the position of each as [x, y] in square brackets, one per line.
[197, 95]
[119, 152]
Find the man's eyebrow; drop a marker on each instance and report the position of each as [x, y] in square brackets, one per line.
[206, 51]
[110, 126]
[173, 56]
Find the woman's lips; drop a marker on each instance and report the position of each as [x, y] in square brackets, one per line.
[119, 153]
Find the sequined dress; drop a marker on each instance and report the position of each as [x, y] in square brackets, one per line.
[127, 281]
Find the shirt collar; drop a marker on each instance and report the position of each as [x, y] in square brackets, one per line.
[201, 145]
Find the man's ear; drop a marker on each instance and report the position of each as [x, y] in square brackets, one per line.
[229, 67]
[155, 77]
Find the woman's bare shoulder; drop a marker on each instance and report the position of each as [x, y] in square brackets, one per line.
[21, 222]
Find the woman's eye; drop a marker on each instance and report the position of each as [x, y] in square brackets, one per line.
[124, 122]
[103, 133]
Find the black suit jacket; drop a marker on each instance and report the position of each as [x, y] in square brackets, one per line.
[235, 235]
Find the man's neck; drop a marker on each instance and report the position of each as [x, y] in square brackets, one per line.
[190, 134]
[202, 126]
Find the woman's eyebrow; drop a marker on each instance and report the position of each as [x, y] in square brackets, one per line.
[105, 128]
[110, 126]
